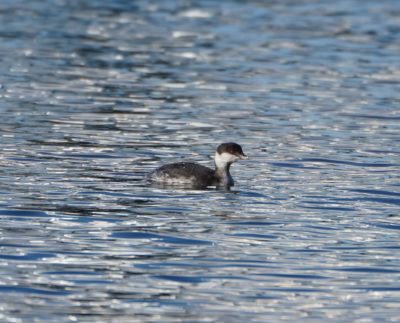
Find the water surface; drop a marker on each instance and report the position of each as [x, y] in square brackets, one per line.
[94, 95]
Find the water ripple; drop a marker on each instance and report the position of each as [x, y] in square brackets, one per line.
[96, 94]
[157, 237]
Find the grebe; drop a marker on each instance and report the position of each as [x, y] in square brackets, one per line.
[199, 176]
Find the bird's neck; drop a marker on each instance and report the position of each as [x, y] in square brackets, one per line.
[222, 173]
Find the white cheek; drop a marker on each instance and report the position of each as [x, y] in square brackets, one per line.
[222, 159]
[231, 158]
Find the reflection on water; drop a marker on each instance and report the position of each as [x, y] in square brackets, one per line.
[94, 95]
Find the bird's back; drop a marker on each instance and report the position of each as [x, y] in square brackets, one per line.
[184, 173]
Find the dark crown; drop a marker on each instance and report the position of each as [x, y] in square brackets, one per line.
[230, 148]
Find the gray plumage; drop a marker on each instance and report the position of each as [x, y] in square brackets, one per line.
[184, 173]
[199, 176]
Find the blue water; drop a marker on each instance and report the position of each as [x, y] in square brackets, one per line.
[95, 94]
